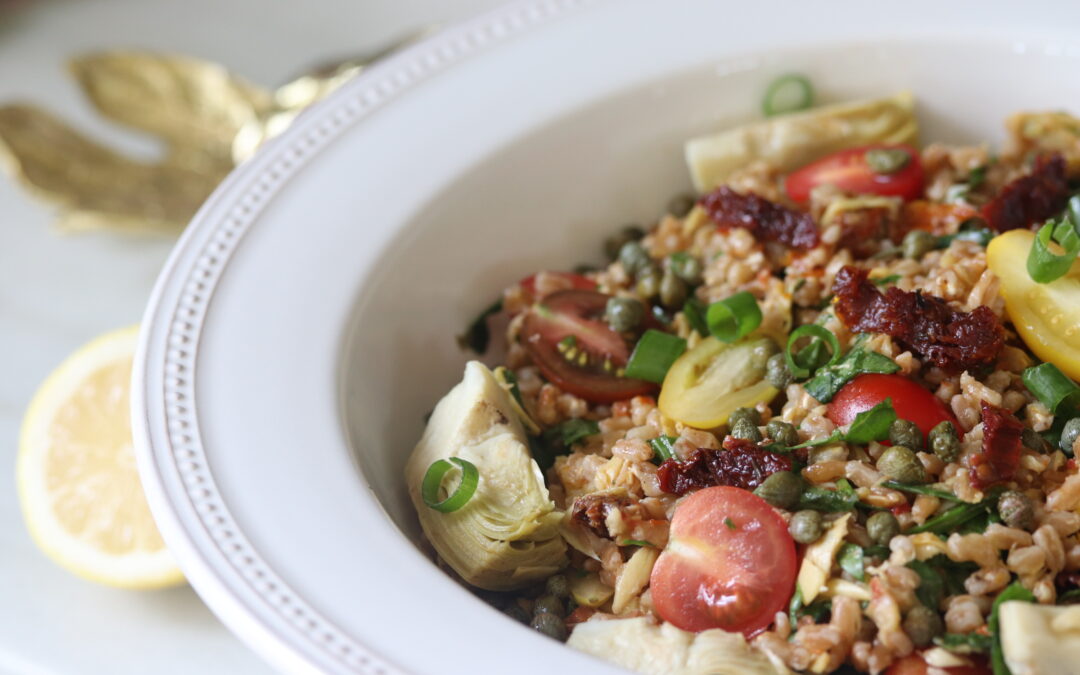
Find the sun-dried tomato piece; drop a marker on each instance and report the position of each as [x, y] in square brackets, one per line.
[592, 511]
[952, 340]
[740, 464]
[1001, 447]
[1030, 199]
[766, 219]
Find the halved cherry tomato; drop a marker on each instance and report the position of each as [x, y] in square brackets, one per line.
[729, 563]
[849, 171]
[599, 351]
[913, 664]
[910, 401]
[573, 281]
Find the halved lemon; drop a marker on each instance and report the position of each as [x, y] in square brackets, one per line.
[77, 482]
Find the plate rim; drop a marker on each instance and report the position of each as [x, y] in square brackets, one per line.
[200, 531]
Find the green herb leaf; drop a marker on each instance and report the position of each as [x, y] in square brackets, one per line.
[921, 490]
[885, 281]
[829, 380]
[433, 479]
[1053, 387]
[573, 431]
[730, 524]
[850, 559]
[826, 500]
[965, 643]
[663, 448]
[813, 356]
[694, 311]
[477, 335]
[637, 542]
[733, 318]
[931, 588]
[872, 424]
[813, 331]
[957, 516]
[1070, 597]
[654, 354]
[1014, 591]
[786, 94]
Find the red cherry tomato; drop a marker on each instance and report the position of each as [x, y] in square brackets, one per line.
[599, 351]
[910, 401]
[913, 664]
[730, 563]
[849, 171]
[575, 281]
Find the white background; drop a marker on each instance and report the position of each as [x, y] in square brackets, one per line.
[57, 292]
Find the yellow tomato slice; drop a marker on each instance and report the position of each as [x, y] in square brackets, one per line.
[707, 383]
[1047, 316]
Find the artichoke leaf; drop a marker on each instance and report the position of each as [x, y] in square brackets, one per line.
[507, 535]
[791, 141]
[640, 645]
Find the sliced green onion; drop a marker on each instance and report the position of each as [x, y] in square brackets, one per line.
[922, 490]
[1043, 265]
[433, 479]
[884, 281]
[733, 318]
[637, 542]
[663, 448]
[694, 311]
[653, 355]
[887, 160]
[813, 356]
[786, 94]
[1053, 387]
[811, 330]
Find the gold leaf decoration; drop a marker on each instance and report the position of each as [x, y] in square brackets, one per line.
[94, 186]
[195, 106]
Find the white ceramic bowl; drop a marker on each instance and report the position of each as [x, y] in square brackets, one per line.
[306, 321]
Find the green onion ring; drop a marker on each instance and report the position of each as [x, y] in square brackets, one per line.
[653, 355]
[812, 330]
[786, 94]
[429, 488]
[733, 318]
[1051, 386]
[1045, 266]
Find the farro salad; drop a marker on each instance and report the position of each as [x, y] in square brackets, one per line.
[820, 417]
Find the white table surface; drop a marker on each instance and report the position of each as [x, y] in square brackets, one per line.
[57, 292]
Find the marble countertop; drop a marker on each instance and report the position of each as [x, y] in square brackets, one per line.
[57, 292]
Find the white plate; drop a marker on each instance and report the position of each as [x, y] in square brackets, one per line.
[305, 322]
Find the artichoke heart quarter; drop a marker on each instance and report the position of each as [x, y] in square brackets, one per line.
[507, 535]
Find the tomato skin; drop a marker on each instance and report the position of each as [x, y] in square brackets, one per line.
[910, 401]
[730, 563]
[913, 664]
[849, 171]
[575, 281]
[573, 312]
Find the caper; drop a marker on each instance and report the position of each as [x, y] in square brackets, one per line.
[634, 258]
[906, 433]
[887, 160]
[782, 432]
[681, 204]
[918, 243]
[1034, 441]
[672, 290]
[517, 613]
[781, 489]
[648, 282]
[902, 465]
[943, 442]
[613, 245]
[751, 414]
[558, 586]
[777, 372]
[1016, 509]
[882, 526]
[746, 429]
[624, 314]
[686, 267]
[805, 526]
[922, 625]
[549, 604]
[550, 625]
[1069, 433]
